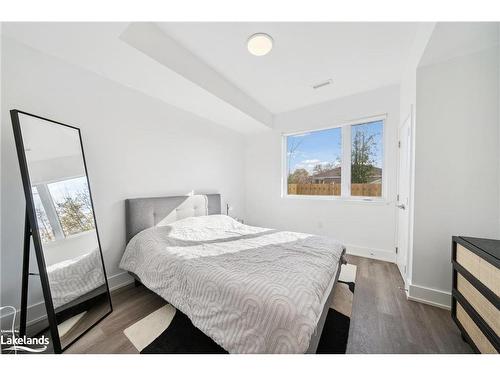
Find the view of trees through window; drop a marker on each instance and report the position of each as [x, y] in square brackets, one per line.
[366, 159]
[44, 227]
[314, 161]
[73, 206]
[63, 208]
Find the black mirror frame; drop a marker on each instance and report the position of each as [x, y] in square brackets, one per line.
[37, 243]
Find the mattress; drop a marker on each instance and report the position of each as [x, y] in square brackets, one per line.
[251, 289]
[74, 278]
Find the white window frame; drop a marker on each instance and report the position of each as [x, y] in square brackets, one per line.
[345, 190]
[50, 210]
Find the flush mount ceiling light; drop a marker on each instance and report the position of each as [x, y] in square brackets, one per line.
[260, 44]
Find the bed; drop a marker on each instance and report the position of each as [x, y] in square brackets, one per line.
[73, 279]
[250, 289]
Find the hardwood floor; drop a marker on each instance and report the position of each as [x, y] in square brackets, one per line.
[383, 321]
[130, 304]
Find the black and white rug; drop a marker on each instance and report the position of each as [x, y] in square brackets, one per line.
[168, 331]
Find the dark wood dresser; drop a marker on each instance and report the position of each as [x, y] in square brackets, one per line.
[475, 306]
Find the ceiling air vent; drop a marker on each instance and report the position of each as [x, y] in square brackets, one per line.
[322, 84]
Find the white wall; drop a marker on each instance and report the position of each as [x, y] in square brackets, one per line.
[368, 228]
[456, 165]
[408, 87]
[50, 170]
[134, 145]
[70, 247]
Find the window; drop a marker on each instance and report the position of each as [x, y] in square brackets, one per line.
[314, 162]
[63, 208]
[44, 227]
[72, 204]
[366, 159]
[344, 161]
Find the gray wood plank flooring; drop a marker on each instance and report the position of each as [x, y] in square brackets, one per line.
[384, 321]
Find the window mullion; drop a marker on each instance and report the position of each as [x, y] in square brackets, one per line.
[50, 210]
[346, 162]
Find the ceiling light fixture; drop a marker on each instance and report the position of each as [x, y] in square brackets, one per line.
[260, 44]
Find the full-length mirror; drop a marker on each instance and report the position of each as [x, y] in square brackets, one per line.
[62, 219]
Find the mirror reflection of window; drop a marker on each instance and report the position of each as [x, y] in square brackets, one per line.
[72, 204]
[46, 232]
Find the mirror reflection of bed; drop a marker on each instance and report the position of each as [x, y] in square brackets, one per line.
[66, 225]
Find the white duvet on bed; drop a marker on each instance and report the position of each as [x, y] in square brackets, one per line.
[252, 290]
[74, 278]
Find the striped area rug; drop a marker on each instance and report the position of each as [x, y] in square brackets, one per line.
[168, 331]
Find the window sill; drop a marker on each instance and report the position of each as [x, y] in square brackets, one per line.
[59, 241]
[359, 200]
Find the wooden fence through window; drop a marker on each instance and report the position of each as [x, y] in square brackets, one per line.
[360, 190]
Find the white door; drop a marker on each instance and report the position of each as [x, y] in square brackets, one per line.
[403, 197]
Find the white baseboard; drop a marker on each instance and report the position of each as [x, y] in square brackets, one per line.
[380, 254]
[119, 280]
[36, 311]
[429, 296]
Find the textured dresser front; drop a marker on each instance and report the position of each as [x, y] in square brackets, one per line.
[476, 292]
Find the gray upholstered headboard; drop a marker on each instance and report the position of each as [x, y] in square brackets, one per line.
[143, 213]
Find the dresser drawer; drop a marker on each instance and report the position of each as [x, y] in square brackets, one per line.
[480, 340]
[489, 313]
[481, 269]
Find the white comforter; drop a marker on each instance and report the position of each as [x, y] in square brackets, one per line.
[74, 278]
[252, 290]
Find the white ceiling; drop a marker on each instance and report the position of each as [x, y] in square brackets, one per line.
[454, 39]
[97, 47]
[205, 68]
[149, 39]
[357, 56]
